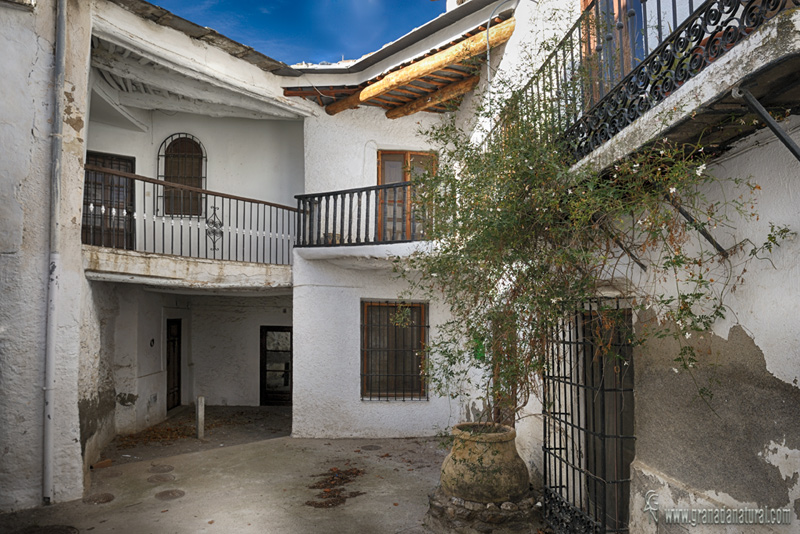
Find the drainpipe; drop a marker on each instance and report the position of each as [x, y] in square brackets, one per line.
[54, 266]
[489, 48]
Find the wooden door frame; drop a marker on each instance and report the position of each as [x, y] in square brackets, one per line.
[262, 360]
[177, 364]
[407, 154]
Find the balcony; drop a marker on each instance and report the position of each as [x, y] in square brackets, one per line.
[131, 212]
[620, 60]
[382, 214]
[134, 228]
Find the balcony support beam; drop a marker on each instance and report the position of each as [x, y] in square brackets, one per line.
[763, 114]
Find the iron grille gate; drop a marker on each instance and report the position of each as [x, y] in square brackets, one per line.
[588, 420]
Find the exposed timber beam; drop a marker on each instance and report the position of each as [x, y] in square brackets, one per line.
[428, 101]
[470, 47]
[196, 107]
[128, 68]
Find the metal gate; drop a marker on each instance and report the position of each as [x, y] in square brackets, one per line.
[588, 420]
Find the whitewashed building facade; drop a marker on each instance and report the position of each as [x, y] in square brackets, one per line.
[259, 272]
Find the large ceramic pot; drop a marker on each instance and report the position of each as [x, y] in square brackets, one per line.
[484, 465]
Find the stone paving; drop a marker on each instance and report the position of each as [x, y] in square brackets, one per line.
[253, 487]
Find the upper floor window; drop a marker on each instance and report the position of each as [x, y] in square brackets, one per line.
[182, 161]
[397, 220]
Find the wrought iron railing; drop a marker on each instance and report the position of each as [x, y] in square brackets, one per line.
[364, 216]
[622, 57]
[127, 211]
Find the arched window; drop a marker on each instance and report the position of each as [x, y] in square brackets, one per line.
[182, 161]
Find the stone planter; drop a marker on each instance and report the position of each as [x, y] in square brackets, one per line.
[484, 465]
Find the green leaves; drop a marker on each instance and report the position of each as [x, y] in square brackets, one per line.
[521, 237]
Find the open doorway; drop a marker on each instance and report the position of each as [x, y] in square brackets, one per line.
[276, 366]
[173, 363]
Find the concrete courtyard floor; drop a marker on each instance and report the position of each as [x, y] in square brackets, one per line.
[259, 483]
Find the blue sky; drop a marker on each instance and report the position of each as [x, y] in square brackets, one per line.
[309, 30]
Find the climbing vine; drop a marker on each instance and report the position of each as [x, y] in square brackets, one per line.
[521, 236]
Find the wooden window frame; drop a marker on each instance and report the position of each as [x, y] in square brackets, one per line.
[408, 228]
[117, 227]
[414, 356]
[198, 162]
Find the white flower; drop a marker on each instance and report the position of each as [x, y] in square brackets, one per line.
[700, 169]
[661, 152]
[673, 190]
[569, 191]
[635, 166]
[688, 335]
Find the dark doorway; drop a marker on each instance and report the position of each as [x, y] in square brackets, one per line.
[108, 203]
[173, 363]
[589, 440]
[276, 366]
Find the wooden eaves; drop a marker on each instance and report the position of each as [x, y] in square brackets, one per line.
[425, 84]
[466, 49]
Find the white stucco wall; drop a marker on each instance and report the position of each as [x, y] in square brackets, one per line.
[766, 303]
[327, 353]
[27, 40]
[24, 167]
[226, 345]
[258, 159]
[341, 151]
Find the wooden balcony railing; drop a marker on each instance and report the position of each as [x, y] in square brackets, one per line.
[365, 216]
[127, 211]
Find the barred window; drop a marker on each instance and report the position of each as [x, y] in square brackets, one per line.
[393, 336]
[182, 161]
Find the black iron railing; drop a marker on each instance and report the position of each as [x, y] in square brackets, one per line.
[128, 211]
[623, 57]
[364, 216]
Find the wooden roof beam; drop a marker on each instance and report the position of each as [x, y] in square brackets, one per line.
[466, 49]
[434, 99]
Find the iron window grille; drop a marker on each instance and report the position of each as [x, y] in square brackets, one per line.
[108, 203]
[182, 160]
[589, 440]
[393, 336]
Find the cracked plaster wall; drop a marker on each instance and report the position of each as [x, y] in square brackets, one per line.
[96, 390]
[744, 448]
[27, 40]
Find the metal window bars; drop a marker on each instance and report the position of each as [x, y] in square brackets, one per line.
[124, 210]
[588, 420]
[393, 336]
